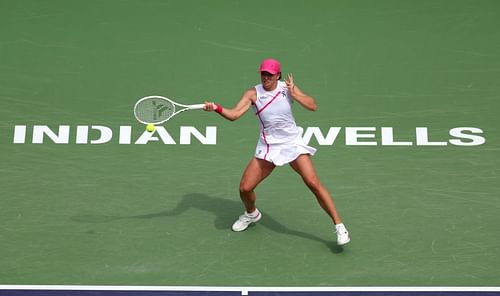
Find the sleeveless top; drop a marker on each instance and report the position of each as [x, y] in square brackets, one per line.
[274, 112]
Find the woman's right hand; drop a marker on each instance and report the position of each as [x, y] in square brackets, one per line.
[209, 106]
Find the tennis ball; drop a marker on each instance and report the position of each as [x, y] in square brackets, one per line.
[150, 128]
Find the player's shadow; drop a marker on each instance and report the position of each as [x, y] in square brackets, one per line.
[225, 212]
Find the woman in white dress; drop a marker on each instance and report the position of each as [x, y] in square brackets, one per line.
[280, 142]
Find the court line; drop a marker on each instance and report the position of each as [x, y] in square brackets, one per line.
[245, 290]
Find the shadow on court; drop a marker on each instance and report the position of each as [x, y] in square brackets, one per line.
[224, 210]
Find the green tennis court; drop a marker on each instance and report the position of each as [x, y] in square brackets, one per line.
[407, 133]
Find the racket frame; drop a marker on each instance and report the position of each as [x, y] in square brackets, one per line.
[175, 105]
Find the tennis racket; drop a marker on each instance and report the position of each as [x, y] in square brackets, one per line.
[157, 109]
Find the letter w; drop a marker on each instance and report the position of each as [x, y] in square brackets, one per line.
[333, 132]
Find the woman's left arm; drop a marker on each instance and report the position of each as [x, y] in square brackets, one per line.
[306, 101]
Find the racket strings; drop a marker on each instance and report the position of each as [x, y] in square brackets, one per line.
[154, 110]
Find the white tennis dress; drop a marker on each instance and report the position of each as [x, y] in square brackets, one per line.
[280, 140]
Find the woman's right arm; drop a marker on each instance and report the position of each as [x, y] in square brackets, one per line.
[247, 99]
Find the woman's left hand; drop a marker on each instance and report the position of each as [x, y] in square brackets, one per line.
[289, 82]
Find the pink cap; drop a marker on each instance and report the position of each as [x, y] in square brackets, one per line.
[270, 65]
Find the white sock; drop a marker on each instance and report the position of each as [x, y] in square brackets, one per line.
[253, 214]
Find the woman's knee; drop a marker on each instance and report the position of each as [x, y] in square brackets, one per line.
[246, 187]
[313, 183]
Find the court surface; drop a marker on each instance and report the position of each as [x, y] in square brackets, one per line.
[411, 87]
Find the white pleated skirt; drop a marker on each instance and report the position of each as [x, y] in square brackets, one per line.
[282, 153]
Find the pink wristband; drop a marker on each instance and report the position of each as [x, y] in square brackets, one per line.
[218, 108]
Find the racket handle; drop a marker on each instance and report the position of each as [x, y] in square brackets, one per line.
[196, 106]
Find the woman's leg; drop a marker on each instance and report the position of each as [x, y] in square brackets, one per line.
[255, 172]
[304, 167]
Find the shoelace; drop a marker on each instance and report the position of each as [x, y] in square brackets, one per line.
[246, 219]
[341, 231]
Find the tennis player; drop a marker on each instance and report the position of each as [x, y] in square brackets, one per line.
[280, 142]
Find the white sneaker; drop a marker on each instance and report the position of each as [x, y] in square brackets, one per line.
[245, 220]
[342, 234]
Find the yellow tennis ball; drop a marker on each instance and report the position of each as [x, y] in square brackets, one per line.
[150, 128]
